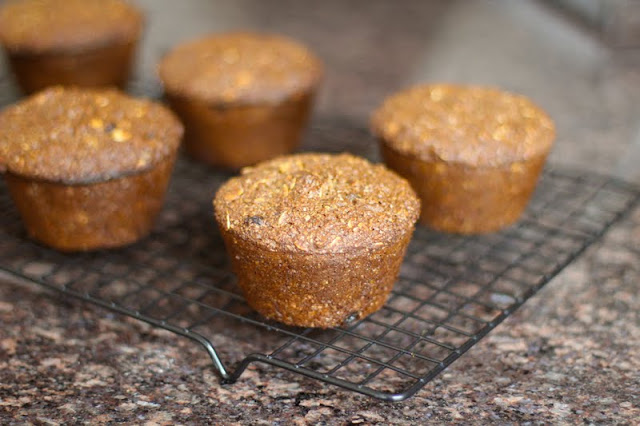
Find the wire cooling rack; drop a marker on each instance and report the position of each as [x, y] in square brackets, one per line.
[451, 292]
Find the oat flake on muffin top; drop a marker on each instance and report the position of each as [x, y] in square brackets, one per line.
[472, 125]
[317, 203]
[77, 135]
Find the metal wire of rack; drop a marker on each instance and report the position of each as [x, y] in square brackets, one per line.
[451, 292]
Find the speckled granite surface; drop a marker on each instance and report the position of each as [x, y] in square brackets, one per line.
[570, 355]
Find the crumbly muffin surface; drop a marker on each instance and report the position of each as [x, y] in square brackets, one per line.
[42, 25]
[240, 68]
[317, 203]
[476, 126]
[79, 135]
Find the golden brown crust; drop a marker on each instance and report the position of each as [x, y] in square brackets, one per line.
[244, 68]
[317, 204]
[91, 216]
[80, 135]
[315, 290]
[100, 67]
[244, 134]
[467, 200]
[62, 25]
[475, 126]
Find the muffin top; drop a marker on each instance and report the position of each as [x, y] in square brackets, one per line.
[81, 135]
[317, 203]
[476, 126]
[45, 25]
[244, 68]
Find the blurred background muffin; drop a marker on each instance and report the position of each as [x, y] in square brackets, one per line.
[243, 97]
[69, 42]
[473, 154]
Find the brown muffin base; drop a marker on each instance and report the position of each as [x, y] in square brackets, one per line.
[242, 135]
[99, 67]
[307, 290]
[466, 200]
[81, 217]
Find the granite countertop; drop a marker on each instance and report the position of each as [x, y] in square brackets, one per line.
[571, 354]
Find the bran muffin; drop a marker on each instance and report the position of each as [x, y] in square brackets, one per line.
[87, 168]
[316, 239]
[87, 43]
[243, 97]
[473, 154]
